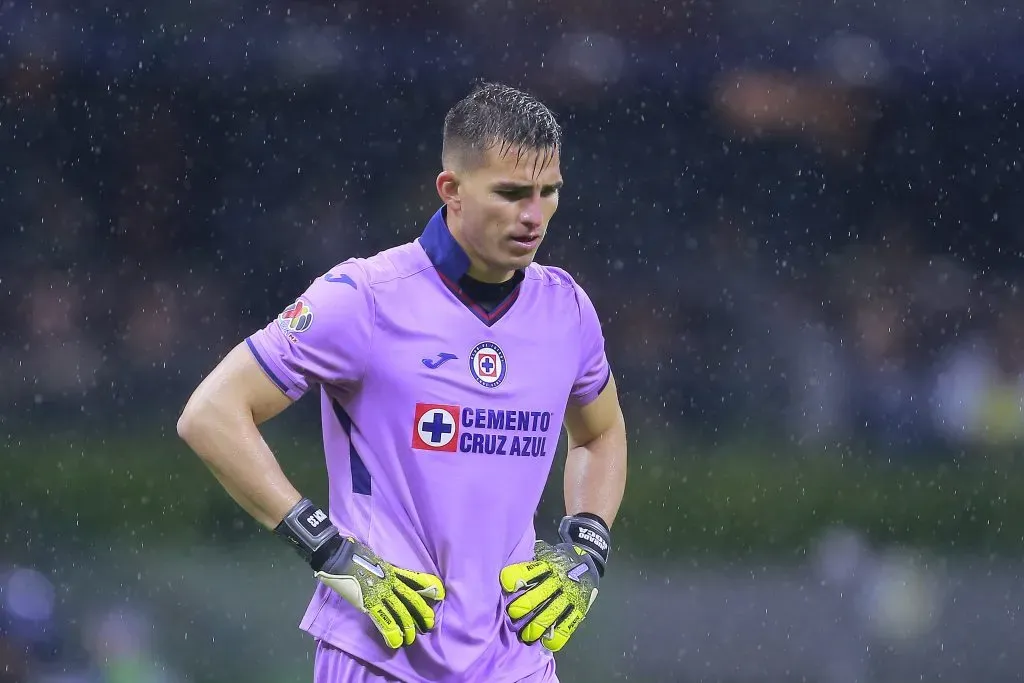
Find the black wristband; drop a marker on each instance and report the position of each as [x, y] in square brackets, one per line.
[309, 530]
[591, 533]
[591, 515]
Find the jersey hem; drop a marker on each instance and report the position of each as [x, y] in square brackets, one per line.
[371, 656]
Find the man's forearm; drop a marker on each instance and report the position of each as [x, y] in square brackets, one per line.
[595, 475]
[230, 444]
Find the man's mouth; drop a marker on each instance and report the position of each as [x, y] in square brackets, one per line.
[526, 240]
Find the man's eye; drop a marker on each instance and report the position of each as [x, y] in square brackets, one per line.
[513, 194]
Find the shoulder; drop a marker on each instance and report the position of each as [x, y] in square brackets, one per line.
[551, 276]
[560, 284]
[381, 269]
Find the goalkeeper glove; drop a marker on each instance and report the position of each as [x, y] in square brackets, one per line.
[560, 584]
[395, 599]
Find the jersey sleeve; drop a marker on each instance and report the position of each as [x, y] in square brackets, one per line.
[594, 371]
[323, 337]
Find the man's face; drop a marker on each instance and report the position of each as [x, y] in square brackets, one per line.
[503, 209]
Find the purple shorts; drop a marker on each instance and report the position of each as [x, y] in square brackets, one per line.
[332, 665]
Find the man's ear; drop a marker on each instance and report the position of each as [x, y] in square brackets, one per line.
[448, 190]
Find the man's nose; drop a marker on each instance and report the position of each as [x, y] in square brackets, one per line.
[531, 213]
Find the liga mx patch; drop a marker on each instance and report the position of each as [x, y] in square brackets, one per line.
[487, 363]
[296, 318]
[436, 427]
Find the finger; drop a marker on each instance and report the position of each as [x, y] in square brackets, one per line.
[545, 619]
[406, 623]
[532, 599]
[426, 585]
[556, 638]
[518, 576]
[386, 624]
[418, 608]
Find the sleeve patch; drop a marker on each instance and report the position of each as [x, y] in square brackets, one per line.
[296, 318]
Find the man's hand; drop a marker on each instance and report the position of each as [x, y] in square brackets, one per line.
[395, 599]
[560, 584]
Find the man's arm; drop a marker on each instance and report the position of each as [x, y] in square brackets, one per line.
[220, 423]
[561, 581]
[595, 468]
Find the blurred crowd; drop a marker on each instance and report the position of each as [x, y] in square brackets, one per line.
[824, 254]
[42, 641]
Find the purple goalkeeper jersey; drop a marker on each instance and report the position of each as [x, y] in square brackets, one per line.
[440, 423]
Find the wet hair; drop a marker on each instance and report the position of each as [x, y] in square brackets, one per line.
[496, 115]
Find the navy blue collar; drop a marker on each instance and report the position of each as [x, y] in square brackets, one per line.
[444, 252]
[452, 264]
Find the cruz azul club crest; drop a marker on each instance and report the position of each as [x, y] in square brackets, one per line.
[487, 363]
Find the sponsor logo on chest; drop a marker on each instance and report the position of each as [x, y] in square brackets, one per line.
[484, 431]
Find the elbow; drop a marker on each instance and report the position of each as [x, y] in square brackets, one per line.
[195, 428]
[206, 418]
[186, 425]
[191, 422]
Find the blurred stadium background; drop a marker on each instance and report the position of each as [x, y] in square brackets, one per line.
[800, 221]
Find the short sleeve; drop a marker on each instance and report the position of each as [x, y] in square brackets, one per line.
[323, 337]
[594, 372]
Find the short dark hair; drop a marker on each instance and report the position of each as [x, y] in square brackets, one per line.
[494, 114]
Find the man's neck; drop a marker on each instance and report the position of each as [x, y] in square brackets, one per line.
[477, 270]
[481, 275]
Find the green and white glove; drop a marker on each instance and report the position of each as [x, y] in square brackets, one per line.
[558, 587]
[395, 599]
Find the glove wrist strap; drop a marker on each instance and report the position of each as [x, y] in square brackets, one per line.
[308, 529]
[589, 532]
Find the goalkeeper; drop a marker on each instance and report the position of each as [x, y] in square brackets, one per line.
[445, 368]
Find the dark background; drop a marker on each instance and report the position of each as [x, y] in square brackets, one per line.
[800, 223]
